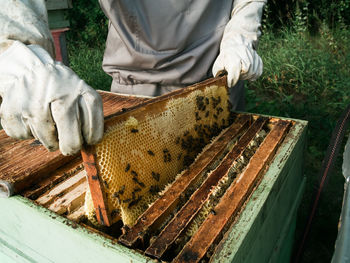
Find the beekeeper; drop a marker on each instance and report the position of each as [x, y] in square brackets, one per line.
[152, 48]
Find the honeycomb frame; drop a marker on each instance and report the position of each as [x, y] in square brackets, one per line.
[178, 125]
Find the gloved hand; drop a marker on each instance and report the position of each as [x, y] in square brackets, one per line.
[44, 99]
[237, 49]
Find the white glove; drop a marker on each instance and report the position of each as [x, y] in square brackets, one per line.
[47, 100]
[237, 49]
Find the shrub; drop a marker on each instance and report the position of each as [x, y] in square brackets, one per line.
[88, 23]
[279, 14]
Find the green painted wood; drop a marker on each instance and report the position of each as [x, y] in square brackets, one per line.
[6, 259]
[278, 218]
[57, 19]
[253, 237]
[58, 4]
[30, 233]
[9, 254]
[36, 234]
[283, 248]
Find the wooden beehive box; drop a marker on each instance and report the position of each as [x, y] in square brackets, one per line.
[30, 231]
[57, 12]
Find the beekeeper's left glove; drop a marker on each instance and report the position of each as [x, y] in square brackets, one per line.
[44, 99]
[238, 54]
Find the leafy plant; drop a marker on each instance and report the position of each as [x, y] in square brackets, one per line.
[88, 23]
[285, 13]
[307, 77]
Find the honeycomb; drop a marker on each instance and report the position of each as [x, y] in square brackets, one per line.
[140, 155]
[89, 209]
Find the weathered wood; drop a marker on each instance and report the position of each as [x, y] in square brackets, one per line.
[96, 188]
[234, 198]
[70, 201]
[77, 214]
[170, 198]
[55, 178]
[58, 19]
[62, 189]
[58, 4]
[158, 103]
[24, 162]
[117, 103]
[195, 203]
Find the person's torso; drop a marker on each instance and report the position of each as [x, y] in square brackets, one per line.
[159, 41]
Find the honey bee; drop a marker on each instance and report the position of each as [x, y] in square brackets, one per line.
[120, 192]
[137, 190]
[187, 160]
[200, 103]
[138, 182]
[122, 189]
[156, 176]
[166, 156]
[150, 152]
[114, 213]
[154, 189]
[134, 202]
[127, 200]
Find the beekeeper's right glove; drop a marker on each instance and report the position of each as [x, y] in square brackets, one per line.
[41, 97]
[44, 99]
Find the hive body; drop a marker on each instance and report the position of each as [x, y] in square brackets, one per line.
[143, 152]
[252, 202]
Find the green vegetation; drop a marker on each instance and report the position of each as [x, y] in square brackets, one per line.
[88, 23]
[87, 63]
[307, 77]
[306, 53]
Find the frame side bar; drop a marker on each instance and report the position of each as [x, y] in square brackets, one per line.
[96, 188]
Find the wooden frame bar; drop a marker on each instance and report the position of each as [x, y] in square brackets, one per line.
[234, 198]
[96, 189]
[177, 225]
[55, 178]
[170, 198]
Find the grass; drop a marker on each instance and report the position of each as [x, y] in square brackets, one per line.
[305, 77]
[87, 63]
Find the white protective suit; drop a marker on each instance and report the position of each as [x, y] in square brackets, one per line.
[151, 49]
